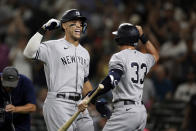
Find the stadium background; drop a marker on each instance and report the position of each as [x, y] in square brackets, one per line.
[170, 24]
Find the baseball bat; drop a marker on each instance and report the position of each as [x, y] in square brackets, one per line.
[70, 121]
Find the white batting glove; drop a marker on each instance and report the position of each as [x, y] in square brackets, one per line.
[51, 24]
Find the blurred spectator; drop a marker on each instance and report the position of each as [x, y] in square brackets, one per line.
[16, 27]
[156, 23]
[146, 129]
[61, 6]
[17, 99]
[171, 51]
[4, 51]
[148, 93]
[163, 85]
[171, 129]
[7, 13]
[36, 17]
[188, 88]
[173, 48]
[38, 123]
[41, 96]
[33, 3]
[190, 115]
[188, 60]
[18, 60]
[39, 78]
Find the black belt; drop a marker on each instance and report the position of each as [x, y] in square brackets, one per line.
[68, 96]
[128, 102]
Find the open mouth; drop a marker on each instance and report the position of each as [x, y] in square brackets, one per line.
[77, 31]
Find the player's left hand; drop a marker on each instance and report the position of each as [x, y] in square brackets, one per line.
[83, 104]
[10, 108]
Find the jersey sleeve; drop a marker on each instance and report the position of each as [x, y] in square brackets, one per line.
[116, 62]
[42, 53]
[150, 60]
[29, 92]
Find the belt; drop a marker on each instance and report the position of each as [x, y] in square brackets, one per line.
[69, 96]
[129, 102]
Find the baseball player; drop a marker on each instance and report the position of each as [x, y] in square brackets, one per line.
[66, 66]
[127, 70]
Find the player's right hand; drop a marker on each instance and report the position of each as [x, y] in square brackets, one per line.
[83, 104]
[51, 24]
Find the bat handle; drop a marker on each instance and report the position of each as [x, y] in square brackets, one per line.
[100, 87]
[69, 122]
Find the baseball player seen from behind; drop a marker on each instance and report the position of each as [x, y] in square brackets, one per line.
[66, 66]
[127, 70]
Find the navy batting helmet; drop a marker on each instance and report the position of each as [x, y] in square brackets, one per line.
[74, 14]
[127, 34]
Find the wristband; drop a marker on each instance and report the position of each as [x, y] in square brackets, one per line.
[42, 31]
[143, 38]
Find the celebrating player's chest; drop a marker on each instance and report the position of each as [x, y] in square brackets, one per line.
[71, 55]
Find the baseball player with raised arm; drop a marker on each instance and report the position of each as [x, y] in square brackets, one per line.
[127, 70]
[66, 66]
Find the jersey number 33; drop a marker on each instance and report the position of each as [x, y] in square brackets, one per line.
[140, 72]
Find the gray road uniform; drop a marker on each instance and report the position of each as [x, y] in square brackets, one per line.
[65, 67]
[129, 113]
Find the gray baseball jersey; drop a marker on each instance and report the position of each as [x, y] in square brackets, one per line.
[135, 65]
[131, 116]
[65, 66]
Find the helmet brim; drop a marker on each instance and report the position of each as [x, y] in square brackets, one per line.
[114, 32]
[82, 18]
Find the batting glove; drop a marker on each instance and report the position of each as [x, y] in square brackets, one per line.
[51, 24]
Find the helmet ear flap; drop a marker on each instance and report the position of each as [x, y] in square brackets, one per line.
[121, 41]
[117, 39]
[84, 27]
[124, 41]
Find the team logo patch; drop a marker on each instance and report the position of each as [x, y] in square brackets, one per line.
[77, 13]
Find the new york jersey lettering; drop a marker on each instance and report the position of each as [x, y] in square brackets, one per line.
[73, 59]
